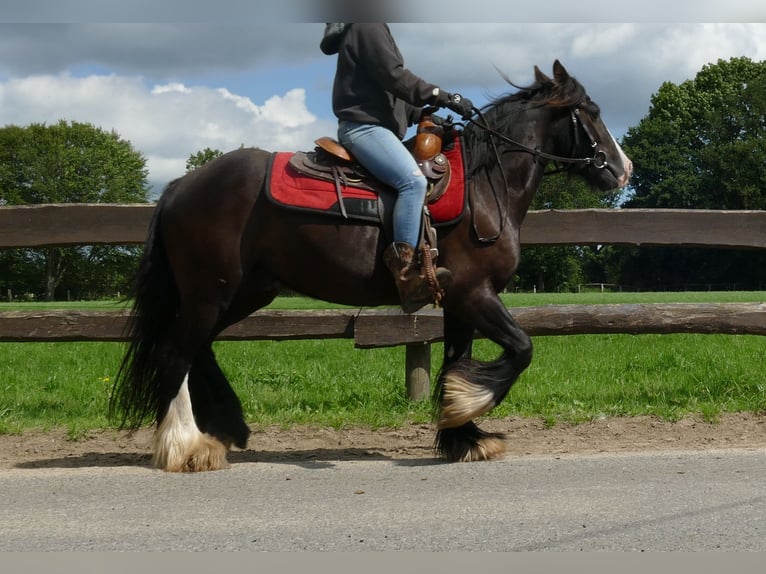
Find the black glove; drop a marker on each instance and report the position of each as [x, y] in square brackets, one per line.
[460, 105]
[442, 122]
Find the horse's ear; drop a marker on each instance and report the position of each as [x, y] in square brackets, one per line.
[540, 77]
[559, 72]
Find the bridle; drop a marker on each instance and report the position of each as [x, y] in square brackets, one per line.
[598, 160]
[599, 156]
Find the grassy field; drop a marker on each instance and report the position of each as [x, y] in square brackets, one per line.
[329, 383]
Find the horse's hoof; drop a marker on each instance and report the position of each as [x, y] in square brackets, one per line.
[204, 454]
[488, 448]
[468, 443]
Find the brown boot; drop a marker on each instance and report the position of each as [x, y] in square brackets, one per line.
[410, 281]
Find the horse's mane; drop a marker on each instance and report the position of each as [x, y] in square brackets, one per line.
[503, 113]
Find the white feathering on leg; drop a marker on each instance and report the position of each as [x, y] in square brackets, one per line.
[463, 401]
[487, 448]
[178, 444]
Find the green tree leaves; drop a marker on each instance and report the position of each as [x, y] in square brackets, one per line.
[703, 143]
[563, 268]
[68, 162]
[200, 158]
[701, 146]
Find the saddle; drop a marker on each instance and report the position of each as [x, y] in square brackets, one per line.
[332, 162]
[329, 182]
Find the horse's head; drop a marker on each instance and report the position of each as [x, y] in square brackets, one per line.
[554, 119]
[601, 160]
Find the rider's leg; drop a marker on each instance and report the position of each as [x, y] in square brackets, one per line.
[384, 155]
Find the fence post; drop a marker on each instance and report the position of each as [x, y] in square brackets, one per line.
[418, 371]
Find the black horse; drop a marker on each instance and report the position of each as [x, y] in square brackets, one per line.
[218, 249]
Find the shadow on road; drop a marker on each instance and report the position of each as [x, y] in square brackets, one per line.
[316, 458]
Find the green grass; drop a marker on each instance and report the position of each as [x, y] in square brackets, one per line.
[511, 299]
[595, 297]
[73, 305]
[47, 385]
[580, 378]
[329, 383]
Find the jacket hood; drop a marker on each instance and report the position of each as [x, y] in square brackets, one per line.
[333, 33]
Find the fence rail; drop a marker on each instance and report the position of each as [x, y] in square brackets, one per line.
[83, 224]
[91, 224]
[391, 328]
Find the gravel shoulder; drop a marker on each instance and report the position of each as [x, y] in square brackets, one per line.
[525, 437]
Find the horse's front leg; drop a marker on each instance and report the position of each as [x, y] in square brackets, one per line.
[467, 388]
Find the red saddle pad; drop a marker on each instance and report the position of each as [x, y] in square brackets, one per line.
[290, 188]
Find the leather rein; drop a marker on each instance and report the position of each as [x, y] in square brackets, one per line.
[598, 160]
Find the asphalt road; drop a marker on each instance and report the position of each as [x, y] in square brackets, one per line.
[691, 501]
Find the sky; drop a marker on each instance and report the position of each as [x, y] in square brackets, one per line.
[176, 77]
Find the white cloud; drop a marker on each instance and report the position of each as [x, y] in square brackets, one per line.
[289, 110]
[688, 48]
[167, 123]
[172, 87]
[240, 101]
[603, 40]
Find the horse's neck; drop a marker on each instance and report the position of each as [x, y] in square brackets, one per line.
[510, 174]
[522, 170]
[536, 128]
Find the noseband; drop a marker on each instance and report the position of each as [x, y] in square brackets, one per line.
[599, 157]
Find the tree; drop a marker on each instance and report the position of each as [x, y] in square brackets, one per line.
[557, 268]
[68, 163]
[201, 158]
[701, 146]
[703, 143]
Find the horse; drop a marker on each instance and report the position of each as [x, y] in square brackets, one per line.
[217, 250]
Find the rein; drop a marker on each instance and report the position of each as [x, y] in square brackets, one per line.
[598, 160]
[599, 157]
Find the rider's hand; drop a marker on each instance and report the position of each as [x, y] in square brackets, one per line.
[445, 123]
[460, 105]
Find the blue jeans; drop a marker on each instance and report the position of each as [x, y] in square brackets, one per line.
[384, 155]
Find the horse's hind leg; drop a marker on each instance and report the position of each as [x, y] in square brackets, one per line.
[217, 409]
[205, 418]
[179, 445]
[467, 389]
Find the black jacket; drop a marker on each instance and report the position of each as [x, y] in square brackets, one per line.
[371, 83]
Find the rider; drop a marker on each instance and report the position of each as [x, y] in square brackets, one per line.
[376, 99]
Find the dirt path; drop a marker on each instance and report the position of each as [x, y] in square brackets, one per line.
[526, 436]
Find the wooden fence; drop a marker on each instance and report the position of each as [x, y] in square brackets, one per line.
[59, 225]
[91, 224]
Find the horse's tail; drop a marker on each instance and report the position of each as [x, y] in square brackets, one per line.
[137, 394]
